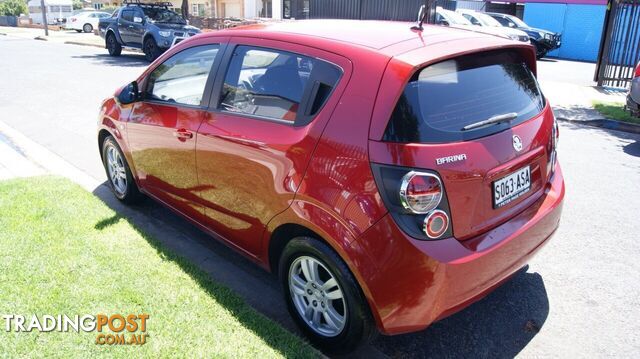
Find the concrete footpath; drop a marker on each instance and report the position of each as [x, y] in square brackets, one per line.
[570, 88]
[22, 157]
[62, 36]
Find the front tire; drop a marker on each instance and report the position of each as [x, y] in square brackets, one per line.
[150, 49]
[119, 175]
[114, 48]
[87, 28]
[323, 297]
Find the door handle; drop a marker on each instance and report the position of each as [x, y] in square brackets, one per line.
[131, 26]
[183, 134]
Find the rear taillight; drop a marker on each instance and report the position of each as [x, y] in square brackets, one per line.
[420, 192]
[436, 224]
[636, 73]
[416, 200]
[553, 147]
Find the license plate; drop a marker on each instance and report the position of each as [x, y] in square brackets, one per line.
[509, 188]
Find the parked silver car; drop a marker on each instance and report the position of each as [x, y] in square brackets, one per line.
[481, 19]
[453, 19]
[633, 97]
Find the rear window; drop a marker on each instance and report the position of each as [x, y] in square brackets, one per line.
[447, 101]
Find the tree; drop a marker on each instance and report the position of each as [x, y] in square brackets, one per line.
[77, 4]
[13, 7]
[185, 9]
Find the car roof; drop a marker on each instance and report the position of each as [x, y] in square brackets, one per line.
[373, 34]
[498, 14]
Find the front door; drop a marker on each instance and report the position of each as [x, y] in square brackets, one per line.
[256, 140]
[162, 127]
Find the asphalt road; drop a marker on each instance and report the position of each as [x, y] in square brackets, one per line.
[579, 297]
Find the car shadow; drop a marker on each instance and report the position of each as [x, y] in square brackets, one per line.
[126, 59]
[205, 260]
[629, 143]
[500, 325]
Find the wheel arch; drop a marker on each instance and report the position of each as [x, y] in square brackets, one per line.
[110, 31]
[282, 235]
[288, 225]
[147, 35]
[102, 135]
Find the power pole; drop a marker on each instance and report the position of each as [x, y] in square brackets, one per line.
[44, 18]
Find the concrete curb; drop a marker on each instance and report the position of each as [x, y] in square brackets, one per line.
[83, 44]
[608, 124]
[48, 160]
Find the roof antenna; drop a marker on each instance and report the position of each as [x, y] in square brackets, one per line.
[425, 14]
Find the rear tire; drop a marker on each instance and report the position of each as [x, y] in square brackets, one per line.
[323, 297]
[119, 175]
[87, 28]
[150, 49]
[114, 48]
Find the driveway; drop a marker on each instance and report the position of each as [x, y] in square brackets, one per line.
[579, 297]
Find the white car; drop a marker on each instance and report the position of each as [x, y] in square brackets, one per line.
[85, 21]
[455, 19]
[481, 19]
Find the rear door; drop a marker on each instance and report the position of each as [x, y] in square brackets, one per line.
[162, 127]
[271, 101]
[481, 123]
[125, 25]
[137, 28]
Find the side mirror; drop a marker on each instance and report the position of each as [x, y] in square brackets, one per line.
[129, 94]
[137, 20]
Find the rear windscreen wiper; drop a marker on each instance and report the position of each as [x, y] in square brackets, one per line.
[507, 117]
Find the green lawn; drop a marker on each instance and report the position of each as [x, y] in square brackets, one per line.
[615, 111]
[62, 251]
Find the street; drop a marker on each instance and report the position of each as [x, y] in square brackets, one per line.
[579, 297]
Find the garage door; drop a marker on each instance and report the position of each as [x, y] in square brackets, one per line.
[232, 10]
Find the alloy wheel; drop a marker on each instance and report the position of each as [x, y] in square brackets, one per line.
[317, 296]
[116, 170]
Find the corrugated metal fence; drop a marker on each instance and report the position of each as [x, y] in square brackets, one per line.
[399, 10]
[8, 21]
[620, 50]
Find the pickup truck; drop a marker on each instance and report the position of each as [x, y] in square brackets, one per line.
[544, 41]
[151, 27]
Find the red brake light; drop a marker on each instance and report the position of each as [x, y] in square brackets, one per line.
[636, 73]
[420, 193]
[435, 224]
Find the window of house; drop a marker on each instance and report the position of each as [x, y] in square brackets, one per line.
[197, 9]
[182, 78]
[270, 83]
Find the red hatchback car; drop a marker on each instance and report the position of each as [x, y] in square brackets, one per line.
[389, 176]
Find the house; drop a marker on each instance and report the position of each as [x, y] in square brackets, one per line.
[56, 9]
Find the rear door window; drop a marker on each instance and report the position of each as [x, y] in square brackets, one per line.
[127, 15]
[448, 101]
[274, 84]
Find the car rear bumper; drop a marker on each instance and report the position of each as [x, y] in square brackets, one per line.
[418, 282]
